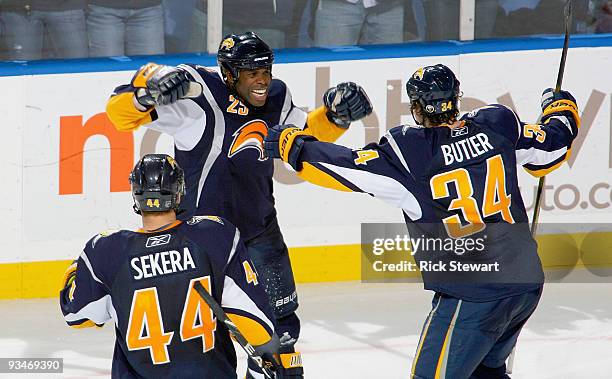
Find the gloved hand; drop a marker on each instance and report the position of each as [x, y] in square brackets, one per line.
[163, 85]
[286, 142]
[549, 96]
[290, 360]
[345, 103]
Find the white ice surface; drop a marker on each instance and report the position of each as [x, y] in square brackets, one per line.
[352, 330]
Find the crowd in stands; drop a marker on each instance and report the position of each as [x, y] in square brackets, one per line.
[49, 29]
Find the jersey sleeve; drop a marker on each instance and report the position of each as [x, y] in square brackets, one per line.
[122, 112]
[244, 299]
[184, 120]
[315, 123]
[377, 169]
[543, 147]
[85, 302]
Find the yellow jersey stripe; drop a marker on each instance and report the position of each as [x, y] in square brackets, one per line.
[443, 359]
[424, 335]
[321, 128]
[252, 330]
[313, 175]
[123, 113]
[86, 324]
[546, 171]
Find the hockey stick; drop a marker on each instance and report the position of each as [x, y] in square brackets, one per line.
[242, 341]
[568, 23]
[567, 11]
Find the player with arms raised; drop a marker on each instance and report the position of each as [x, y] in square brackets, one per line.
[218, 131]
[143, 282]
[455, 178]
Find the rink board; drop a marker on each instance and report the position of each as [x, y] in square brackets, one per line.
[65, 167]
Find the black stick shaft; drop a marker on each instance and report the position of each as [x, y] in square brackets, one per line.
[238, 336]
[538, 198]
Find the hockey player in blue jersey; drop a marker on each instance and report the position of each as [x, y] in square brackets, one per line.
[218, 138]
[143, 282]
[455, 178]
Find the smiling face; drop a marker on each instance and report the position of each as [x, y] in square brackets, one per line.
[253, 85]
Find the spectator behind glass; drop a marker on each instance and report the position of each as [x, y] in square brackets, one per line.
[125, 27]
[443, 18]
[199, 25]
[603, 16]
[269, 19]
[529, 17]
[178, 15]
[40, 29]
[351, 22]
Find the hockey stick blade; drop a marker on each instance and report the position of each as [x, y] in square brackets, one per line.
[231, 327]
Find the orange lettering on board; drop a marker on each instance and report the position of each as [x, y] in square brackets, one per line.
[73, 136]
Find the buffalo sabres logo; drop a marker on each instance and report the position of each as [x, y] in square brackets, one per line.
[418, 74]
[227, 44]
[249, 136]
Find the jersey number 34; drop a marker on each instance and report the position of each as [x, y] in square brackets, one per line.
[495, 200]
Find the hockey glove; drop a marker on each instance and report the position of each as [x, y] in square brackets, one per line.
[549, 96]
[163, 85]
[345, 103]
[286, 142]
[290, 360]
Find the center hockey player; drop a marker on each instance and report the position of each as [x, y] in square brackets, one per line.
[143, 282]
[455, 178]
[218, 138]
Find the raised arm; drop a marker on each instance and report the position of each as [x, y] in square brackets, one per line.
[543, 147]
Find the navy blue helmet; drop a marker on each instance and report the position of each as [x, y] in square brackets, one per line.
[158, 184]
[435, 88]
[243, 52]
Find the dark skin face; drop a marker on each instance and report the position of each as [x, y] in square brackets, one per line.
[253, 85]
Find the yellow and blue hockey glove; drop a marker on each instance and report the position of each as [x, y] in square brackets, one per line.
[549, 96]
[286, 142]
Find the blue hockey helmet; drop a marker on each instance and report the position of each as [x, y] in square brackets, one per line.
[243, 52]
[158, 184]
[435, 88]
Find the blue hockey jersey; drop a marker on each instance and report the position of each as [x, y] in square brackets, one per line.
[219, 144]
[143, 282]
[457, 183]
